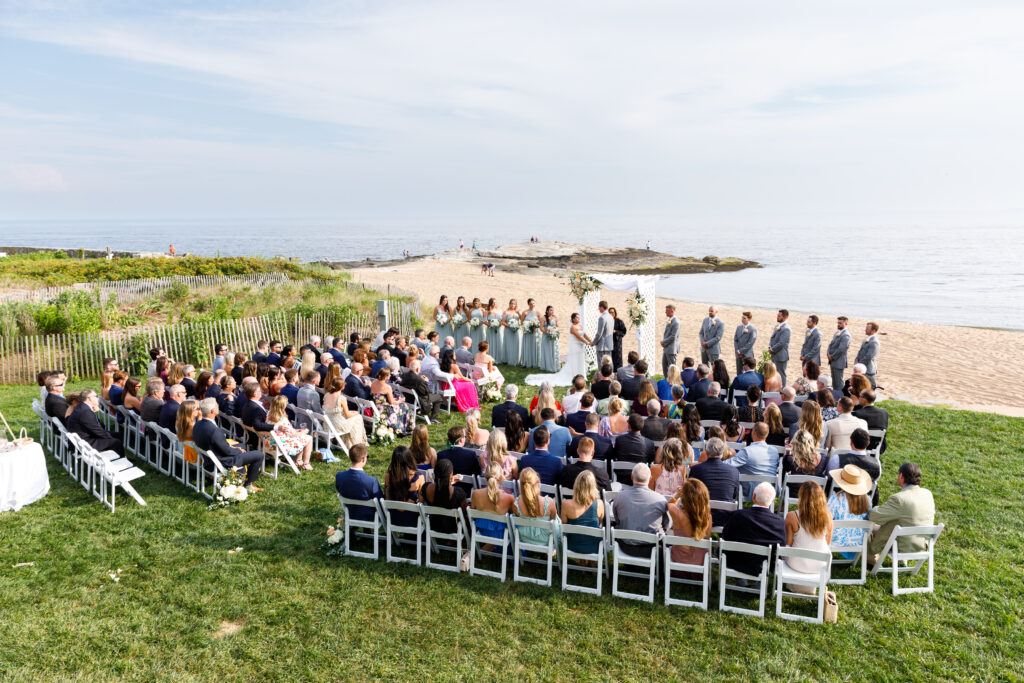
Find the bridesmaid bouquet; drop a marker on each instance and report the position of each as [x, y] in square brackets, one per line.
[458, 319]
[530, 326]
[475, 323]
[514, 323]
[442, 318]
[551, 332]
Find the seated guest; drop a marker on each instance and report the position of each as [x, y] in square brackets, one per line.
[858, 456]
[691, 518]
[576, 421]
[275, 381]
[496, 451]
[306, 396]
[431, 363]
[517, 437]
[545, 463]
[615, 423]
[627, 371]
[810, 421]
[777, 433]
[381, 363]
[115, 395]
[638, 508]
[688, 374]
[501, 410]
[752, 412]
[262, 349]
[421, 340]
[699, 389]
[205, 381]
[219, 351]
[169, 411]
[532, 505]
[838, 430]
[571, 401]
[349, 424]
[601, 387]
[296, 443]
[806, 459]
[414, 380]
[825, 382]
[274, 357]
[206, 434]
[757, 458]
[254, 415]
[675, 410]
[290, 390]
[668, 476]
[790, 410]
[750, 377]
[55, 403]
[475, 436]
[808, 527]
[757, 525]
[443, 493]
[720, 374]
[631, 385]
[466, 396]
[464, 460]
[227, 397]
[808, 383]
[585, 508]
[585, 451]
[712, 407]
[634, 446]
[558, 437]
[326, 361]
[875, 417]
[849, 500]
[403, 483]
[464, 354]
[645, 395]
[721, 480]
[655, 426]
[188, 380]
[910, 506]
[614, 392]
[188, 414]
[239, 368]
[484, 364]
[827, 403]
[545, 398]
[401, 351]
[665, 385]
[354, 340]
[857, 382]
[494, 500]
[131, 395]
[83, 421]
[354, 385]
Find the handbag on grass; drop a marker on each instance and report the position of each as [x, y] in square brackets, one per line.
[831, 614]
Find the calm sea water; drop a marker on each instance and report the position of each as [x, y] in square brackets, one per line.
[948, 275]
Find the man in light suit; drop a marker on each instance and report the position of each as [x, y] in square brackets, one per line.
[308, 398]
[711, 331]
[838, 430]
[670, 340]
[868, 354]
[743, 340]
[778, 345]
[837, 349]
[604, 341]
[811, 350]
[911, 506]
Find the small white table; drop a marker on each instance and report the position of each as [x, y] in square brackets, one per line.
[23, 477]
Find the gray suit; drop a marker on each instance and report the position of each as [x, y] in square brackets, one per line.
[638, 508]
[811, 350]
[868, 355]
[778, 346]
[837, 349]
[670, 340]
[603, 339]
[743, 341]
[711, 331]
[307, 399]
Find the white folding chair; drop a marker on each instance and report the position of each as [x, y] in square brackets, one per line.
[727, 506]
[567, 554]
[521, 547]
[108, 471]
[171, 452]
[710, 423]
[45, 427]
[276, 450]
[724, 574]
[754, 480]
[648, 562]
[351, 525]
[326, 430]
[64, 449]
[703, 569]
[786, 500]
[477, 541]
[861, 550]
[368, 409]
[216, 471]
[877, 449]
[395, 531]
[927, 556]
[617, 466]
[430, 513]
[414, 398]
[784, 576]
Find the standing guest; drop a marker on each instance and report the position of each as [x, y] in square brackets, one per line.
[82, 421]
[585, 508]
[875, 417]
[711, 331]
[356, 484]
[669, 340]
[530, 347]
[500, 412]
[399, 415]
[296, 443]
[549, 341]
[758, 458]
[838, 430]
[849, 501]
[638, 508]
[868, 353]
[837, 349]
[743, 340]
[668, 476]
[511, 323]
[808, 527]
[721, 480]
[627, 371]
[516, 434]
[691, 518]
[424, 455]
[206, 434]
[618, 334]
[558, 437]
[758, 525]
[348, 423]
[699, 388]
[672, 379]
[778, 345]
[585, 463]
[465, 391]
[544, 462]
[811, 350]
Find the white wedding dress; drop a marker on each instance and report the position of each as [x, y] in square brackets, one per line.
[575, 365]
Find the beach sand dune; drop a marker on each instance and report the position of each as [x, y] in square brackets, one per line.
[964, 367]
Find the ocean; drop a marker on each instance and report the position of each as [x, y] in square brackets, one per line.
[947, 275]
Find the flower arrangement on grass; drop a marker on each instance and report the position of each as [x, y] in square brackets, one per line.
[382, 433]
[581, 284]
[333, 545]
[490, 392]
[230, 490]
[636, 309]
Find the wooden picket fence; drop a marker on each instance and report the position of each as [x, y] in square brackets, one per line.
[127, 291]
[81, 355]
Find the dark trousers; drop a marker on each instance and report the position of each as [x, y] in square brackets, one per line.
[109, 444]
[251, 460]
[616, 356]
[637, 549]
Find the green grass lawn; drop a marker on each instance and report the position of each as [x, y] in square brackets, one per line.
[301, 615]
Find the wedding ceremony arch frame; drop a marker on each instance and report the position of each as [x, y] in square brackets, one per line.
[646, 340]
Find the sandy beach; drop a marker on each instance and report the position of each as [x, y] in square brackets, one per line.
[962, 367]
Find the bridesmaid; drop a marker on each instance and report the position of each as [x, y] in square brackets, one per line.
[443, 311]
[460, 330]
[479, 333]
[549, 345]
[494, 331]
[511, 335]
[530, 353]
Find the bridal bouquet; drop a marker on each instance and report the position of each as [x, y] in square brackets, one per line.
[551, 332]
[230, 490]
[442, 318]
[458, 319]
[636, 308]
[581, 284]
[514, 323]
[530, 326]
[382, 433]
[474, 323]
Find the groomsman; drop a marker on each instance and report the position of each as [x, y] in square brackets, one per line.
[811, 349]
[743, 340]
[711, 331]
[868, 354]
[778, 345]
[837, 349]
[670, 340]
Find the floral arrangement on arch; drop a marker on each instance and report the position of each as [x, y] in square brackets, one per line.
[382, 433]
[581, 284]
[230, 490]
[636, 309]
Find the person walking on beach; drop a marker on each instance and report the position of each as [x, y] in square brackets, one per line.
[743, 340]
[711, 332]
[461, 244]
[811, 349]
[170, 250]
[837, 349]
[778, 345]
[868, 354]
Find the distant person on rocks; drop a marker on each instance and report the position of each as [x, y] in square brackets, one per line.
[171, 251]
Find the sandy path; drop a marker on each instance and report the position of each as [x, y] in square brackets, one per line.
[931, 364]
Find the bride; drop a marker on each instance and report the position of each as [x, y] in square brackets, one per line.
[575, 365]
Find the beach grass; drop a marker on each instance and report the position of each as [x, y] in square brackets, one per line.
[186, 609]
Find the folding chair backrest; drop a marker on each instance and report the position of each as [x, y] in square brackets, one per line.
[861, 549]
[430, 514]
[703, 570]
[351, 524]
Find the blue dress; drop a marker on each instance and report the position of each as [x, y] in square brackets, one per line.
[510, 340]
[461, 330]
[494, 338]
[530, 351]
[584, 544]
[549, 351]
[443, 331]
[477, 334]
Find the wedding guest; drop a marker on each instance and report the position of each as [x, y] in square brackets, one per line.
[545, 398]
[752, 412]
[675, 409]
[615, 423]
[355, 484]
[296, 443]
[638, 508]
[188, 414]
[465, 391]
[585, 463]
[494, 500]
[475, 437]
[672, 378]
[601, 387]
[691, 518]
[808, 527]
[516, 435]
[484, 363]
[82, 421]
[655, 426]
[424, 455]
[585, 508]
[777, 433]
[464, 460]
[631, 386]
[614, 391]
[772, 378]
[571, 401]
[668, 476]
[399, 415]
[443, 493]
[496, 452]
[131, 395]
[206, 434]
[810, 421]
[500, 411]
[625, 372]
[644, 396]
[348, 423]
[827, 403]
[849, 501]
[403, 482]
[532, 505]
[419, 383]
[720, 374]
[805, 458]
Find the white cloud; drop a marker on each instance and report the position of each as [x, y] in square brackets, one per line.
[36, 178]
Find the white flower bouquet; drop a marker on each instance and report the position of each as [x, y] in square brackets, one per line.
[636, 309]
[530, 326]
[491, 393]
[475, 323]
[230, 490]
[458, 319]
[581, 284]
[333, 546]
[551, 332]
[382, 432]
[514, 323]
[442, 318]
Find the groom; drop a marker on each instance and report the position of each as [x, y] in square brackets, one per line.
[603, 339]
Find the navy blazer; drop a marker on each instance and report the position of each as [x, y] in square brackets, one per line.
[722, 481]
[274, 359]
[190, 387]
[355, 388]
[210, 437]
[258, 357]
[698, 390]
[291, 392]
[83, 421]
[169, 415]
[758, 526]
[339, 358]
[358, 485]
[689, 376]
[500, 412]
[743, 381]
[577, 421]
[254, 415]
[548, 467]
[569, 474]
[464, 460]
[603, 447]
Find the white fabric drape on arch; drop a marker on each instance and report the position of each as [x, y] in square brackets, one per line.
[645, 284]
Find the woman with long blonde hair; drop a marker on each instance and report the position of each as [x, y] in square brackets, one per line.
[175, 374]
[188, 413]
[532, 505]
[810, 421]
[545, 399]
[808, 527]
[772, 380]
[585, 508]
[308, 362]
[475, 437]
[494, 500]
[673, 378]
[107, 380]
[296, 442]
[776, 432]
[497, 452]
[691, 518]
[805, 458]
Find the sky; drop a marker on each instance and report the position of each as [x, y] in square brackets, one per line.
[901, 113]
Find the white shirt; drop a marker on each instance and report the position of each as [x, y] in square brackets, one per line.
[571, 402]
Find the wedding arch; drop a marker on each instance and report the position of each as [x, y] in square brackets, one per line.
[645, 286]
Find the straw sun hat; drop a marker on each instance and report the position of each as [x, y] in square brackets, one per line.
[852, 479]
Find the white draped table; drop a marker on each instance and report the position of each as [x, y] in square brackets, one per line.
[23, 477]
